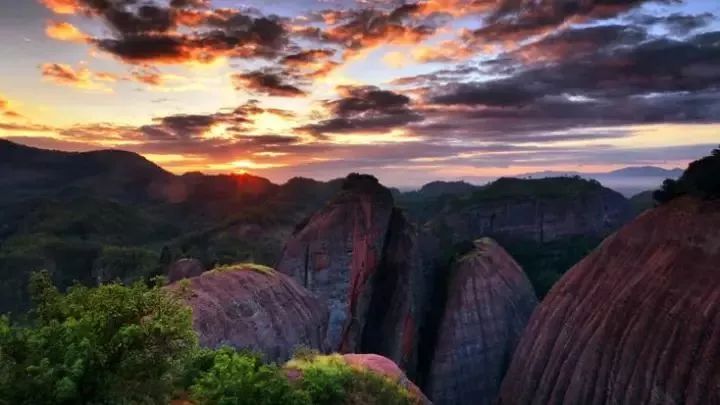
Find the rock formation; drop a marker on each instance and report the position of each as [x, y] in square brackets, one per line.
[489, 301]
[184, 268]
[543, 210]
[337, 253]
[636, 322]
[385, 367]
[253, 307]
[399, 298]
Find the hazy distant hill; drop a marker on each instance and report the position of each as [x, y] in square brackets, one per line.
[628, 181]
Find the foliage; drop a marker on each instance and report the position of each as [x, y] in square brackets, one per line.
[258, 268]
[125, 263]
[513, 188]
[701, 179]
[242, 379]
[110, 344]
[329, 380]
[545, 263]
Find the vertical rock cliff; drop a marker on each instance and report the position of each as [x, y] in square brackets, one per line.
[489, 301]
[256, 308]
[337, 254]
[635, 322]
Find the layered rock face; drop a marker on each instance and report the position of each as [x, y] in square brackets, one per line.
[592, 210]
[399, 298]
[250, 307]
[489, 301]
[636, 322]
[184, 268]
[337, 254]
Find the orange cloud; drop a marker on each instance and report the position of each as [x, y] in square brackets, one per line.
[82, 78]
[63, 31]
[456, 8]
[62, 6]
[6, 109]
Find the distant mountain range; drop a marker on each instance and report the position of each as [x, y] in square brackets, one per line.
[628, 181]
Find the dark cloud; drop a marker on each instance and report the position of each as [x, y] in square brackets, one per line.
[516, 20]
[357, 29]
[676, 23]
[363, 108]
[182, 31]
[266, 82]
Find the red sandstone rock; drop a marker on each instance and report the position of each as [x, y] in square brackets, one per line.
[489, 302]
[254, 308]
[185, 268]
[399, 298]
[635, 322]
[386, 367]
[337, 253]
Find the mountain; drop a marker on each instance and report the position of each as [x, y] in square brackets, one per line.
[628, 181]
[636, 321]
[104, 215]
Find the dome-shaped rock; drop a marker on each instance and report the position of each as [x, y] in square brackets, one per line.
[254, 307]
[489, 301]
[635, 322]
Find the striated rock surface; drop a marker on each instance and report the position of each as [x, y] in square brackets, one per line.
[543, 210]
[387, 368]
[489, 301]
[184, 268]
[399, 298]
[636, 322]
[337, 253]
[253, 307]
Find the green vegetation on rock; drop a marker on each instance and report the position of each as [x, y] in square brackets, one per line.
[118, 344]
[701, 179]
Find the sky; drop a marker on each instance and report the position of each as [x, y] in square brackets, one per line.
[410, 91]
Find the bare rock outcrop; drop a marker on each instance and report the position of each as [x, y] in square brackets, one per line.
[337, 254]
[254, 307]
[185, 268]
[489, 301]
[635, 322]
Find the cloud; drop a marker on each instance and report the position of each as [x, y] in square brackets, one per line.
[266, 82]
[365, 108]
[179, 32]
[576, 78]
[7, 110]
[363, 28]
[514, 20]
[82, 77]
[676, 23]
[63, 31]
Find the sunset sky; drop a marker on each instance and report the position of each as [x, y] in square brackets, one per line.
[408, 91]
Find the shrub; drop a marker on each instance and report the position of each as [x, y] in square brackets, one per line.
[111, 344]
[242, 379]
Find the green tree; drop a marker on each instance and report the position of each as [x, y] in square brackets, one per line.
[112, 345]
[242, 379]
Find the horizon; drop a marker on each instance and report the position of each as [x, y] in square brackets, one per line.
[408, 91]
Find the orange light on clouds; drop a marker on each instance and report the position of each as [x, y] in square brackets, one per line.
[357, 138]
[63, 31]
[62, 6]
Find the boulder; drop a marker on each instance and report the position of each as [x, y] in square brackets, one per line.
[489, 301]
[635, 322]
[254, 307]
[184, 268]
[387, 368]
